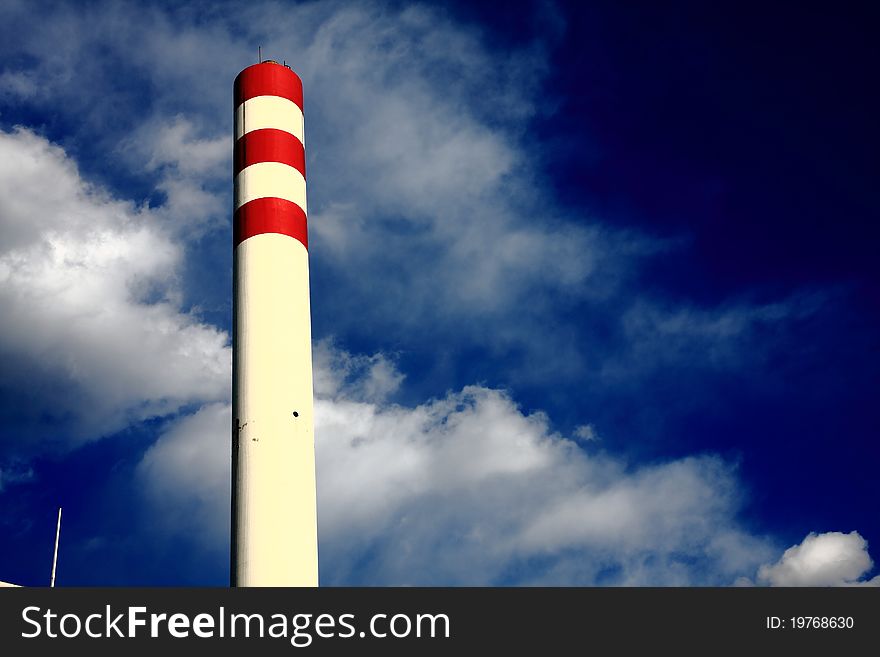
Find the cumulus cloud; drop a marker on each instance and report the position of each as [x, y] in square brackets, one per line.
[830, 559]
[420, 166]
[193, 454]
[92, 332]
[438, 194]
[586, 432]
[192, 170]
[338, 373]
[427, 205]
[467, 489]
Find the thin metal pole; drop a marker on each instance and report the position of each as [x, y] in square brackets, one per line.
[260, 53]
[55, 555]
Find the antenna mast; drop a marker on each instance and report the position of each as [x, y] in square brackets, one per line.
[55, 554]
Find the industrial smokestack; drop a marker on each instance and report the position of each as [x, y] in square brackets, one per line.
[274, 517]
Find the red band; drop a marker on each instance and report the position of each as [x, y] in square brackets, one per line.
[268, 79]
[270, 215]
[269, 145]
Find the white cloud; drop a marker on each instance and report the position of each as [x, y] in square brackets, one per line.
[193, 172]
[194, 455]
[175, 144]
[586, 432]
[91, 329]
[420, 166]
[830, 559]
[428, 214]
[338, 373]
[467, 489]
[420, 174]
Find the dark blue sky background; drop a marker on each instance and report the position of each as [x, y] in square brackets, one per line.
[750, 132]
[730, 149]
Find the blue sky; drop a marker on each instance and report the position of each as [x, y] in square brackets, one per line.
[593, 290]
